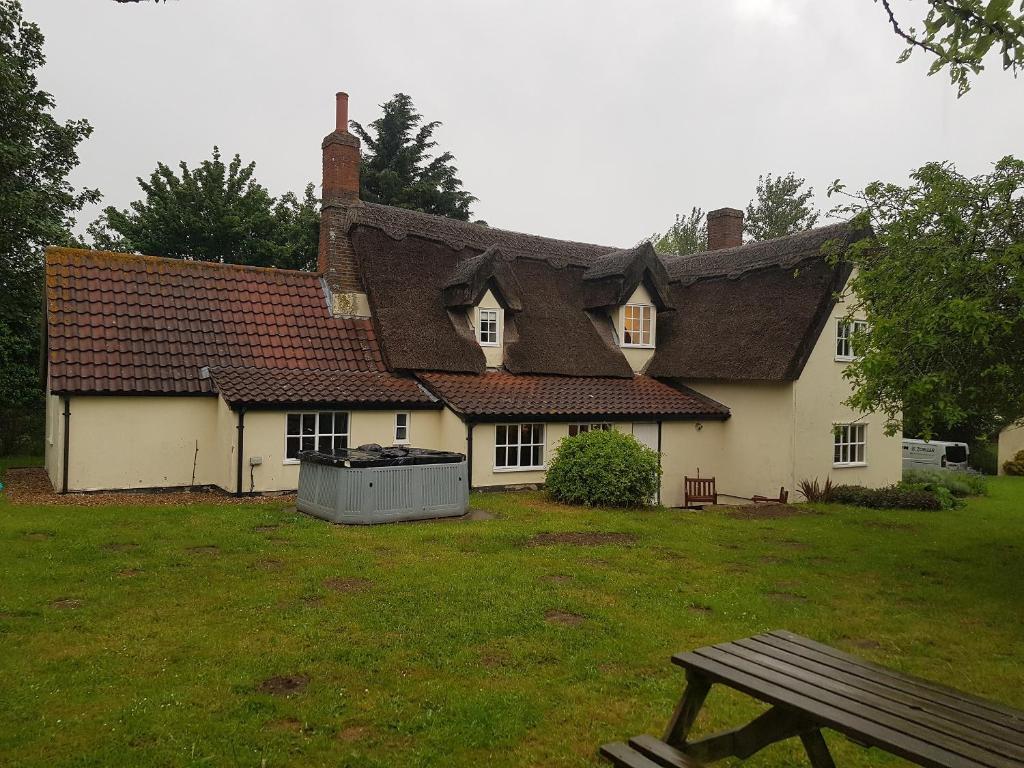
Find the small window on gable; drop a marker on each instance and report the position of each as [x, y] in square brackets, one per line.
[401, 427]
[638, 325]
[488, 327]
[845, 331]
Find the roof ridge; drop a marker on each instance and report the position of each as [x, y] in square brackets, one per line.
[754, 243]
[122, 256]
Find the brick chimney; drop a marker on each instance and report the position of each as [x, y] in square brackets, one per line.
[725, 228]
[336, 258]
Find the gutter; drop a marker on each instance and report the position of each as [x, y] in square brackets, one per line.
[659, 463]
[469, 454]
[241, 444]
[67, 443]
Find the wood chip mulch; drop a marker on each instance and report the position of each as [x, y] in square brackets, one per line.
[31, 486]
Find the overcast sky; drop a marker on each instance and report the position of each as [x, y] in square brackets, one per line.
[591, 120]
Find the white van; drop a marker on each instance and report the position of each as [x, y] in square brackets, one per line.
[934, 454]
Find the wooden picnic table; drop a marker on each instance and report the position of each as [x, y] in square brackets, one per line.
[810, 686]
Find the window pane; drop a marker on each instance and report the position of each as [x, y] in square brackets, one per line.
[500, 436]
[538, 456]
[326, 423]
[308, 443]
[525, 432]
[499, 456]
[309, 423]
[341, 423]
[340, 442]
[324, 444]
[524, 456]
[294, 422]
[292, 447]
[575, 429]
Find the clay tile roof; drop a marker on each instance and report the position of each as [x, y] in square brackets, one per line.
[496, 395]
[312, 387]
[139, 324]
[735, 262]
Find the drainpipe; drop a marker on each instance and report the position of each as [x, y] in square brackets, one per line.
[67, 445]
[659, 462]
[241, 444]
[469, 454]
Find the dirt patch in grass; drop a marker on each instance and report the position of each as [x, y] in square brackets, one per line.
[867, 645]
[580, 539]
[771, 560]
[348, 584]
[352, 733]
[205, 549]
[31, 485]
[120, 546]
[286, 724]
[266, 528]
[39, 536]
[564, 618]
[764, 511]
[66, 603]
[700, 608]
[284, 685]
[129, 573]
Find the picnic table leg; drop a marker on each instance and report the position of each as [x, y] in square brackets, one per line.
[777, 724]
[689, 706]
[817, 749]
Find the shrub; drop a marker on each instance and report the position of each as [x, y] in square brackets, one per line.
[985, 457]
[603, 468]
[960, 484]
[815, 492]
[1015, 466]
[897, 496]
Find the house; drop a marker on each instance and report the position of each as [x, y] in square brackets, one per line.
[444, 334]
[1011, 442]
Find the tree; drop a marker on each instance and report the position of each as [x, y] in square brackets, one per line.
[781, 206]
[37, 205]
[397, 168]
[941, 283]
[689, 234]
[960, 33]
[215, 212]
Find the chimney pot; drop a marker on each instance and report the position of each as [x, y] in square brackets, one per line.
[341, 125]
[725, 228]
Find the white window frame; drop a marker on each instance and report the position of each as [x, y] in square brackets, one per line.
[407, 427]
[497, 326]
[537, 439]
[647, 309]
[850, 441]
[602, 426]
[845, 330]
[317, 434]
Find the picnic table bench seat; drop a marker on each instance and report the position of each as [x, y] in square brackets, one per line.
[808, 687]
[647, 752]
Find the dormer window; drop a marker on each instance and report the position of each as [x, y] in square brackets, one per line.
[638, 325]
[488, 327]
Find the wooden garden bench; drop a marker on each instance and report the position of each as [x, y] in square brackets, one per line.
[699, 490]
[810, 687]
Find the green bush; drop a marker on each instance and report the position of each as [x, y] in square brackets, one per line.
[603, 468]
[985, 457]
[1015, 466]
[897, 496]
[961, 484]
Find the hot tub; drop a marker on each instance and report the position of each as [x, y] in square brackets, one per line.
[370, 485]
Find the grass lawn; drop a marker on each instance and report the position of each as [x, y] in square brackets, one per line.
[250, 635]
